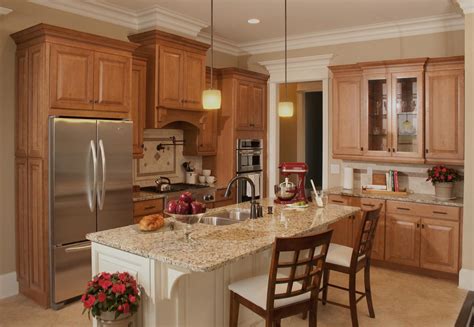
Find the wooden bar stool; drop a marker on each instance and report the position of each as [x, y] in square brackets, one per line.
[280, 295]
[351, 260]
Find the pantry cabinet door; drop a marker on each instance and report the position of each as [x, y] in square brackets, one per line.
[71, 78]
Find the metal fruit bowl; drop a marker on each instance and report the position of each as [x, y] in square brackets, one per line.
[187, 219]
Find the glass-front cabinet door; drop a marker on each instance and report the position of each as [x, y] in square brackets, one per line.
[407, 115]
[377, 129]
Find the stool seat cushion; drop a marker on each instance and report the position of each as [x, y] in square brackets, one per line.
[340, 255]
[254, 289]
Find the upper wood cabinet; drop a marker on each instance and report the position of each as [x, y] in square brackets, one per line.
[444, 79]
[176, 76]
[346, 112]
[101, 80]
[138, 105]
[389, 124]
[251, 106]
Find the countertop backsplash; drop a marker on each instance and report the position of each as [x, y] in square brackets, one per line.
[411, 177]
[167, 162]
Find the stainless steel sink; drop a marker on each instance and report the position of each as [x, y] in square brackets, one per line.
[226, 217]
[218, 221]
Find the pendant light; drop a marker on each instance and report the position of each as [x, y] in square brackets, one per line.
[211, 98]
[285, 108]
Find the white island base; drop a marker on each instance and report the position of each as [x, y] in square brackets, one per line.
[178, 297]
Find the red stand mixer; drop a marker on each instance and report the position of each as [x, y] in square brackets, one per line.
[287, 192]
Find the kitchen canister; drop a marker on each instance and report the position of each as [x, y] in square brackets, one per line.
[348, 182]
[191, 177]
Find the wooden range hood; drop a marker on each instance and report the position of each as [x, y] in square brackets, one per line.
[176, 77]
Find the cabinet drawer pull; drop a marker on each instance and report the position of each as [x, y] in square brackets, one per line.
[150, 207]
[337, 201]
[440, 212]
[369, 205]
[422, 225]
[401, 208]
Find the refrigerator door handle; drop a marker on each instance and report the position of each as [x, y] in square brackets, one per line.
[78, 248]
[101, 196]
[92, 199]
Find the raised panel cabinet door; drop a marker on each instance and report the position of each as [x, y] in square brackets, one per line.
[21, 113]
[257, 112]
[171, 74]
[112, 82]
[439, 245]
[37, 102]
[402, 243]
[138, 107]
[242, 113]
[378, 247]
[194, 81]
[207, 138]
[71, 78]
[346, 120]
[444, 134]
[22, 223]
[342, 232]
[38, 229]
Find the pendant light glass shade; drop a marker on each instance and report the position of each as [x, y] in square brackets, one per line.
[285, 108]
[211, 99]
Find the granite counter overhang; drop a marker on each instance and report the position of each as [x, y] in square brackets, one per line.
[212, 247]
[143, 196]
[411, 197]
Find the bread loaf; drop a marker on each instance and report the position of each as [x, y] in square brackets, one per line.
[151, 222]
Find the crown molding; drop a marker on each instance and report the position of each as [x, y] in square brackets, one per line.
[154, 16]
[425, 25]
[5, 11]
[298, 68]
[467, 6]
[221, 44]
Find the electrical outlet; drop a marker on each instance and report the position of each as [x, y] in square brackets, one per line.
[335, 169]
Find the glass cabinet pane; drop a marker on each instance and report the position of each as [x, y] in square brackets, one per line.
[406, 104]
[377, 115]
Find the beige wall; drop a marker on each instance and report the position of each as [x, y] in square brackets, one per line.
[468, 223]
[25, 15]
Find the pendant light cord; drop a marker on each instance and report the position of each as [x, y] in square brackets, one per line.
[286, 59]
[212, 42]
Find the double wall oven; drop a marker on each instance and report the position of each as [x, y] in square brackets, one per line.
[249, 164]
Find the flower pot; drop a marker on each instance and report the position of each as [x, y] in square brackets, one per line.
[444, 191]
[108, 319]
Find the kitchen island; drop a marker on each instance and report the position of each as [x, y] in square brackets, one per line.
[184, 283]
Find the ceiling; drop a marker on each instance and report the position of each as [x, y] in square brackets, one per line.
[304, 16]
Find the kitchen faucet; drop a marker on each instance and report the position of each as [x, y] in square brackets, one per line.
[256, 210]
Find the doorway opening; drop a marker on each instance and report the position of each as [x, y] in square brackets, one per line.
[301, 136]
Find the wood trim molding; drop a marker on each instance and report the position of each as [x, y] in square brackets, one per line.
[5, 11]
[467, 6]
[155, 36]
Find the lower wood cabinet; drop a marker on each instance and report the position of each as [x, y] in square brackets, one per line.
[403, 240]
[146, 207]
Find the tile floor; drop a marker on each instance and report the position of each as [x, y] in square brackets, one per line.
[400, 300]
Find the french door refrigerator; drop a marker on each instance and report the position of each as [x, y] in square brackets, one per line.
[90, 190]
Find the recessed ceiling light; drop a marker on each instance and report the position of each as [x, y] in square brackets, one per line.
[253, 21]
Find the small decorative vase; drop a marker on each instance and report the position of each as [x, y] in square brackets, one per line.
[444, 191]
[108, 319]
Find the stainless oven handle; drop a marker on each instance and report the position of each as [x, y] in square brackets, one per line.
[249, 152]
[78, 248]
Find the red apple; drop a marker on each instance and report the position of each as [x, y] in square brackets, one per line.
[171, 208]
[186, 197]
[197, 207]
[183, 208]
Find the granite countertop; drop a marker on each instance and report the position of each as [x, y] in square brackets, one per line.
[411, 197]
[212, 247]
[143, 196]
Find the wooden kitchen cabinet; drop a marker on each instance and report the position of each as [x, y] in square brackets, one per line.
[146, 207]
[193, 80]
[444, 138]
[170, 77]
[346, 112]
[138, 105]
[22, 220]
[342, 229]
[101, 81]
[251, 106]
[403, 239]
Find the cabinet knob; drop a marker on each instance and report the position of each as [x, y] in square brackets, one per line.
[361, 148]
[426, 150]
[91, 101]
[96, 101]
[393, 150]
[389, 150]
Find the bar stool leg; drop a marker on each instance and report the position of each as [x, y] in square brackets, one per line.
[352, 299]
[368, 292]
[313, 314]
[234, 310]
[325, 285]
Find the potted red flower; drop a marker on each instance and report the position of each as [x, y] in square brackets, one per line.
[443, 179]
[112, 298]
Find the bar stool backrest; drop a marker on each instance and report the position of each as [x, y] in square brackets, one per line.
[365, 235]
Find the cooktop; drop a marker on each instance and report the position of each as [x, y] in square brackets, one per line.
[177, 187]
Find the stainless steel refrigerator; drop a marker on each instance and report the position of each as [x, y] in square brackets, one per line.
[90, 190]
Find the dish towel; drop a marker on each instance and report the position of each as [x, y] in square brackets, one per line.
[255, 178]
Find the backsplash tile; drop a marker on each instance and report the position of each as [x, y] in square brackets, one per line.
[167, 162]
